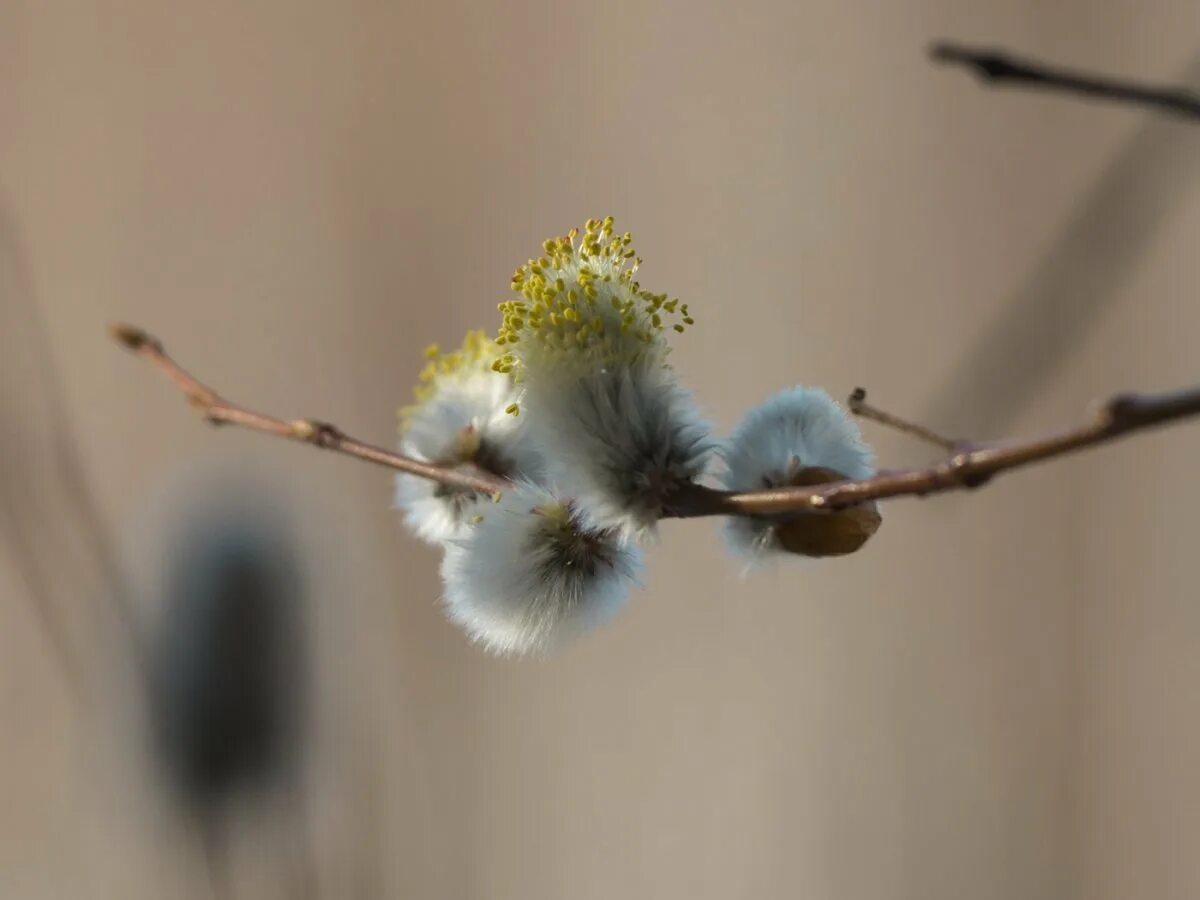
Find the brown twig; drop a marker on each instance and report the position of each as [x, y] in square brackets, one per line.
[968, 466]
[997, 67]
[220, 411]
[859, 406]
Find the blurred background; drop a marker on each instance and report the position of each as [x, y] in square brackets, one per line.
[995, 699]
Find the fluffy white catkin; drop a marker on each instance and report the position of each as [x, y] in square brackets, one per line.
[530, 575]
[459, 417]
[587, 347]
[797, 428]
[619, 439]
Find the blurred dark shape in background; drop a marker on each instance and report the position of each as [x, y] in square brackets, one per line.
[227, 667]
[49, 520]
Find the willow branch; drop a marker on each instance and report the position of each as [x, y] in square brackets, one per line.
[968, 466]
[999, 68]
[219, 411]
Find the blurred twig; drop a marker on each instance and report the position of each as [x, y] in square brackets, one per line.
[998, 67]
[968, 466]
[1083, 270]
[60, 546]
[859, 406]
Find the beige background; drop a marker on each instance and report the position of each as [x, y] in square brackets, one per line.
[996, 699]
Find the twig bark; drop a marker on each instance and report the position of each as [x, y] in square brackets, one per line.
[860, 407]
[968, 466]
[220, 411]
[998, 67]
[973, 466]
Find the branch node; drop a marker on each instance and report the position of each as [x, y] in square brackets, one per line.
[203, 400]
[972, 480]
[317, 433]
[1122, 410]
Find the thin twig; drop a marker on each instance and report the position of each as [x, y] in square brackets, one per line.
[860, 407]
[220, 411]
[998, 67]
[968, 466]
[51, 620]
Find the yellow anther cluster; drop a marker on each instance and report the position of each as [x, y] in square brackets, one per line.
[474, 357]
[579, 305]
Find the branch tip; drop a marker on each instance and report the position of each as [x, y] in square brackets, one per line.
[857, 403]
[944, 51]
[132, 337]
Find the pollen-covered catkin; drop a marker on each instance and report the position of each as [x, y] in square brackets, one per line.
[586, 348]
[459, 416]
